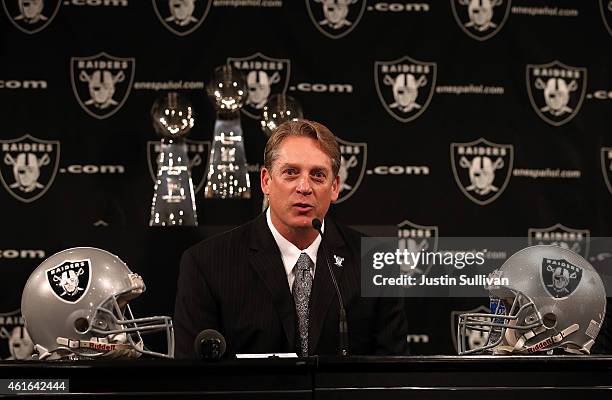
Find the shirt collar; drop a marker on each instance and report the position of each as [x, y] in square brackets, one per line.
[289, 252]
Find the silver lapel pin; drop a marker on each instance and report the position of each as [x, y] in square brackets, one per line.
[338, 260]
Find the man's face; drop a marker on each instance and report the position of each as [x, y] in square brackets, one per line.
[480, 11]
[31, 8]
[102, 86]
[20, 344]
[300, 185]
[182, 9]
[335, 10]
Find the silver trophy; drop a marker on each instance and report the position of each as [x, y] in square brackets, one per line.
[173, 197]
[228, 177]
[279, 108]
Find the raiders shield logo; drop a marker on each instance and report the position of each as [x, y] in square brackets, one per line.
[474, 339]
[335, 18]
[101, 83]
[556, 91]
[15, 342]
[70, 280]
[28, 166]
[605, 7]
[405, 86]
[482, 169]
[31, 16]
[576, 240]
[182, 17]
[560, 277]
[264, 76]
[415, 238]
[198, 152]
[352, 167]
[481, 19]
[606, 166]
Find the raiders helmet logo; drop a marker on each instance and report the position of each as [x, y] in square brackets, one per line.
[28, 166]
[182, 17]
[481, 19]
[15, 342]
[264, 76]
[405, 86]
[576, 240]
[352, 167]
[606, 166]
[198, 152]
[556, 91]
[335, 18]
[474, 338]
[415, 238]
[482, 169]
[31, 16]
[605, 7]
[560, 277]
[70, 280]
[101, 83]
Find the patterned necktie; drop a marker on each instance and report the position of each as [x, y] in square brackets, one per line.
[302, 285]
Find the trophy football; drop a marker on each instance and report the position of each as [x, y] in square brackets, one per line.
[173, 196]
[227, 177]
[279, 108]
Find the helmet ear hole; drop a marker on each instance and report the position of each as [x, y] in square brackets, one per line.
[549, 320]
[81, 325]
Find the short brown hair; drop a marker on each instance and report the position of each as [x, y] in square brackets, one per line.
[303, 127]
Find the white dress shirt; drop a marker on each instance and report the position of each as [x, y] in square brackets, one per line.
[290, 253]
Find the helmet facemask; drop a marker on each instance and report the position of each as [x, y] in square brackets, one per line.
[511, 311]
[516, 326]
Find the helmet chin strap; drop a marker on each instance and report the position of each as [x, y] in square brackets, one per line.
[519, 346]
[106, 348]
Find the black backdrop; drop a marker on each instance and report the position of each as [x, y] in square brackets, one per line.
[481, 89]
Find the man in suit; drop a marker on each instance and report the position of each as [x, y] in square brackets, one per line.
[266, 285]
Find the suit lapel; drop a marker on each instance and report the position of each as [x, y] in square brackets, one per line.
[323, 291]
[267, 262]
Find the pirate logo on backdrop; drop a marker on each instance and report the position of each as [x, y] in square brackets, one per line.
[605, 6]
[560, 277]
[416, 238]
[352, 167]
[16, 343]
[481, 19]
[556, 91]
[577, 240]
[31, 16]
[101, 83]
[28, 166]
[198, 152]
[405, 86]
[335, 18]
[606, 166]
[482, 169]
[473, 337]
[182, 17]
[70, 279]
[264, 76]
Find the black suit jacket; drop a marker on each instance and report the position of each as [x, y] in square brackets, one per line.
[236, 283]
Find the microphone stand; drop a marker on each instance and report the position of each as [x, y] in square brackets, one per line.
[343, 324]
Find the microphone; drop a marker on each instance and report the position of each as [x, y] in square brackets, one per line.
[343, 327]
[209, 345]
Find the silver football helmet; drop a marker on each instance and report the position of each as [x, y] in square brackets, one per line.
[75, 306]
[549, 298]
